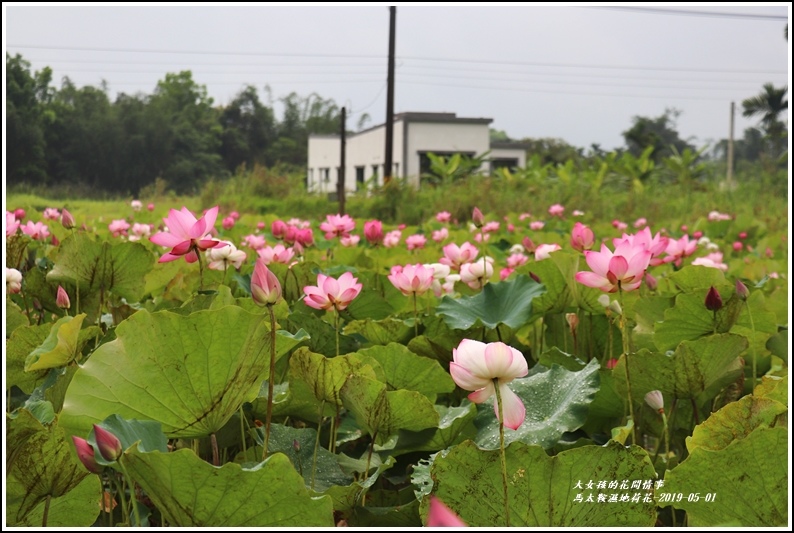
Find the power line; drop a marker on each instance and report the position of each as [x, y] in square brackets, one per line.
[415, 58]
[684, 12]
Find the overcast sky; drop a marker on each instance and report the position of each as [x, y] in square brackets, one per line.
[576, 73]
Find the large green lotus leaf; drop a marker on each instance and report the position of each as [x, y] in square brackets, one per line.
[77, 508]
[101, 266]
[323, 334]
[145, 433]
[24, 340]
[748, 477]
[382, 413]
[455, 425]
[325, 376]
[778, 344]
[582, 296]
[774, 388]
[293, 398]
[689, 319]
[294, 279]
[379, 332]
[14, 317]
[190, 492]
[555, 356]
[369, 304]
[41, 463]
[347, 497]
[698, 369]
[557, 297]
[762, 326]
[190, 373]
[160, 276]
[696, 277]
[540, 488]
[649, 311]
[60, 346]
[377, 514]
[403, 369]
[556, 401]
[735, 421]
[507, 302]
[39, 288]
[437, 341]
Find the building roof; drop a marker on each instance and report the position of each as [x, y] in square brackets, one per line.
[414, 116]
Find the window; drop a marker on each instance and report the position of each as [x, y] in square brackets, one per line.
[325, 175]
[510, 163]
[359, 177]
[310, 179]
[375, 169]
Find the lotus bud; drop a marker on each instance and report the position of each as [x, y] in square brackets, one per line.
[67, 219]
[655, 400]
[573, 320]
[713, 300]
[150, 207]
[741, 290]
[651, 282]
[604, 300]
[86, 455]
[373, 231]
[62, 299]
[612, 363]
[477, 217]
[529, 246]
[109, 445]
[265, 287]
[19, 213]
[614, 306]
[535, 277]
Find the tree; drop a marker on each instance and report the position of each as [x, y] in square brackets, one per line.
[302, 116]
[552, 150]
[26, 119]
[249, 129]
[659, 132]
[769, 104]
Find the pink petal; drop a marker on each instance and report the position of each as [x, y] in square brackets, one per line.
[471, 355]
[512, 407]
[165, 238]
[465, 379]
[618, 266]
[498, 358]
[439, 515]
[482, 394]
[591, 279]
[599, 261]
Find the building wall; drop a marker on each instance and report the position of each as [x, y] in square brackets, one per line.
[323, 154]
[441, 137]
[510, 153]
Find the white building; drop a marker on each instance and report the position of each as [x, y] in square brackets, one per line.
[415, 135]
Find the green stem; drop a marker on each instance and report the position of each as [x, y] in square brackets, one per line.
[317, 442]
[77, 297]
[416, 318]
[201, 269]
[336, 327]
[502, 449]
[666, 440]
[132, 491]
[125, 511]
[270, 379]
[332, 436]
[46, 510]
[752, 345]
[624, 330]
[484, 261]
[369, 455]
[242, 430]
[216, 459]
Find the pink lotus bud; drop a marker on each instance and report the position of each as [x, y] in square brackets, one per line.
[737, 246]
[529, 246]
[265, 287]
[582, 237]
[741, 290]
[535, 277]
[655, 400]
[19, 213]
[373, 231]
[743, 235]
[260, 226]
[62, 299]
[109, 445]
[150, 207]
[612, 363]
[651, 282]
[697, 234]
[67, 219]
[86, 455]
[477, 217]
[235, 215]
[54, 241]
[684, 228]
[228, 223]
[713, 300]
[278, 228]
[401, 227]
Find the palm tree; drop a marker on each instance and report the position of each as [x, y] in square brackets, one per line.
[769, 104]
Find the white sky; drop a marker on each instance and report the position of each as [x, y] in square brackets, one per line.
[576, 73]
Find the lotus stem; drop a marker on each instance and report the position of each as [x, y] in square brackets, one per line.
[216, 460]
[317, 442]
[336, 327]
[624, 330]
[416, 318]
[752, 345]
[270, 379]
[242, 430]
[131, 483]
[46, 510]
[201, 269]
[369, 455]
[502, 450]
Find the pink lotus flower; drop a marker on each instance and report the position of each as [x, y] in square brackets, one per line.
[440, 235]
[392, 239]
[265, 287]
[256, 242]
[304, 237]
[298, 223]
[678, 249]
[373, 231]
[654, 244]
[51, 213]
[536, 225]
[19, 213]
[337, 226]
[505, 273]
[556, 210]
[699, 234]
[582, 237]
[543, 251]
[119, 227]
[443, 216]
[150, 207]
[475, 366]
[476, 275]
[439, 515]
[235, 215]
[480, 237]
[36, 230]
[140, 231]
[228, 223]
[490, 227]
[622, 269]
[13, 280]
[737, 246]
[640, 222]
[415, 242]
[455, 255]
[186, 236]
[109, 445]
[276, 254]
[332, 293]
[411, 279]
[62, 298]
[223, 255]
[349, 241]
[523, 216]
[67, 220]
[278, 228]
[516, 260]
[12, 224]
[713, 260]
[86, 455]
[136, 205]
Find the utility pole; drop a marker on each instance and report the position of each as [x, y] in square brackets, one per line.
[387, 164]
[340, 183]
[730, 149]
